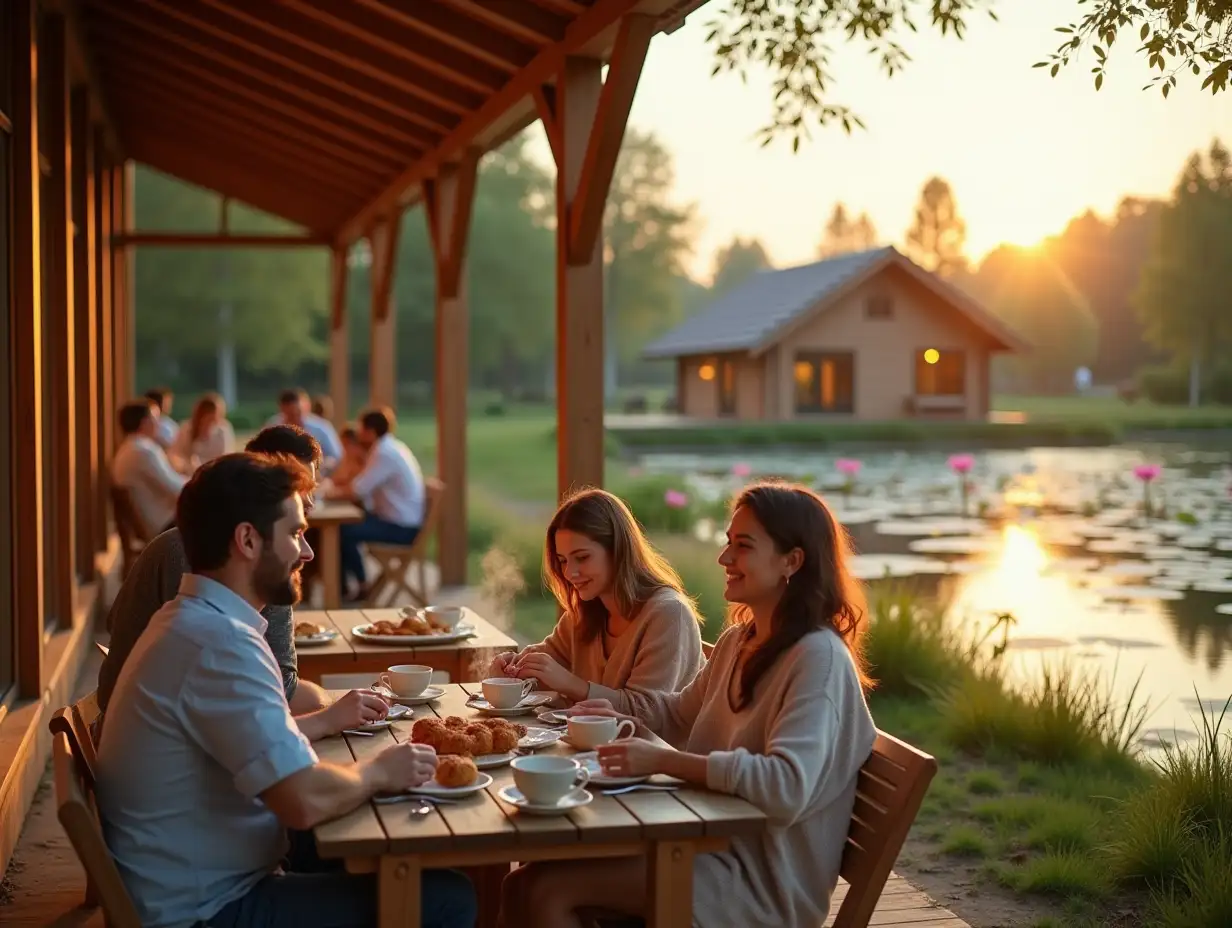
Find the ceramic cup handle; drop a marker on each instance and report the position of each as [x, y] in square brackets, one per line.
[384, 679]
[583, 778]
[527, 687]
[626, 729]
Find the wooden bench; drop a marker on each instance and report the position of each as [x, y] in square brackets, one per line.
[394, 562]
[890, 787]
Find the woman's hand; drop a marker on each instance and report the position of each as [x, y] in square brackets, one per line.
[632, 757]
[502, 665]
[550, 675]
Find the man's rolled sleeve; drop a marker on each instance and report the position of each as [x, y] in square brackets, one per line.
[234, 707]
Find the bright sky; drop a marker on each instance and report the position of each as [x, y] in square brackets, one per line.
[1024, 152]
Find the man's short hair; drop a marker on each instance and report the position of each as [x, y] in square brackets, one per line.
[287, 397]
[229, 491]
[158, 395]
[379, 421]
[287, 439]
[132, 415]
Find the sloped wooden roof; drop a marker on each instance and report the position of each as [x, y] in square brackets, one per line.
[329, 113]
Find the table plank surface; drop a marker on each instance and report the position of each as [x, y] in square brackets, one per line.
[334, 512]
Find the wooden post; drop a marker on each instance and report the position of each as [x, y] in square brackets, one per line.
[447, 201]
[382, 389]
[339, 342]
[585, 119]
[128, 273]
[104, 330]
[121, 297]
[85, 353]
[25, 354]
[60, 312]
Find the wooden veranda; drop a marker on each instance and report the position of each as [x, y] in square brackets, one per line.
[336, 115]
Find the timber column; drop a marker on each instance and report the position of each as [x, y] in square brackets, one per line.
[383, 239]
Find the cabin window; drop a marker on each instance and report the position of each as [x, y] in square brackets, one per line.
[939, 372]
[879, 307]
[824, 382]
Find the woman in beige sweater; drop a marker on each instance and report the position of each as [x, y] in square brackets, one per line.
[627, 629]
[777, 717]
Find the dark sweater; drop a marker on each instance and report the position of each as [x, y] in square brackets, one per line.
[154, 581]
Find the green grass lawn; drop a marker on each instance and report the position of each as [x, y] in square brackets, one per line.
[1111, 410]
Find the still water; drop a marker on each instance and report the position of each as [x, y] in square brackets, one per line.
[1060, 539]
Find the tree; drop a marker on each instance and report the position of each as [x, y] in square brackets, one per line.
[843, 235]
[938, 235]
[791, 38]
[1031, 294]
[737, 261]
[1184, 291]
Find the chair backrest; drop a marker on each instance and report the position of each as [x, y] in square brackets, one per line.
[76, 722]
[891, 786]
[128, 524]
[76, 809]
[432, 514]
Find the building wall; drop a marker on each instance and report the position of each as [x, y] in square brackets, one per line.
[885, 349]
[700, 398]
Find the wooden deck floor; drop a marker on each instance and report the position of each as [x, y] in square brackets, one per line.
[902, 905]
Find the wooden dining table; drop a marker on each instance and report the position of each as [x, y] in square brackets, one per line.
[464, 659]
[329, 515]
[485, 835]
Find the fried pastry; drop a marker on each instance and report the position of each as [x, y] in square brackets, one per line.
[455, 721]
[427, 731]
[504, 739]
[454, 771]
[480, 737]
[307, 629]
[453, 741]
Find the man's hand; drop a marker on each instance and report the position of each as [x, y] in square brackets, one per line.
[356, 708]
[403, 766]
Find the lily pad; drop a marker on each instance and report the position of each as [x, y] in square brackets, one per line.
[1131, 593]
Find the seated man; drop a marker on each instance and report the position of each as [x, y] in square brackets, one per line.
[155, 579]
[161, 400]
[203, 770]
[390, 487]
[295, 408]
[142, 467]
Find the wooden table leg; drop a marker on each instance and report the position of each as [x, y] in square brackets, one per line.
[671, 884]
[331, 566]
[487, 881]
[398, 893]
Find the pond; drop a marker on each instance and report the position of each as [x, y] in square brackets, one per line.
[1058, 537]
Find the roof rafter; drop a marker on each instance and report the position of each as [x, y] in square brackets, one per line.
[453, 29]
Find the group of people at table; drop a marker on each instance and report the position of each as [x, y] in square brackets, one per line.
[208, 784]
[366, 464]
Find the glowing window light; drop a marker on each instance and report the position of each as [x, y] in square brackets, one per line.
[932, 356]
[706, 372]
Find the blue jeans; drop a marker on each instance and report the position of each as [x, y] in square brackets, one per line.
[320, 894]
[373, 528]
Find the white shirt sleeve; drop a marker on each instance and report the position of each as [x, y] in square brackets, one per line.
[161, 474]
[376, 472]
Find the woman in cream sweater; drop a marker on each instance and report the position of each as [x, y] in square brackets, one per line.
[627, 630]
[777, 717]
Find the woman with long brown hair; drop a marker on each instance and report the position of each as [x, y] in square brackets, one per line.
[627, 628]
[777, 717]
[205, 436]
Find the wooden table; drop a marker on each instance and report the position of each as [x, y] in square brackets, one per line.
[667, 829]
[463, 660]
[328, 515]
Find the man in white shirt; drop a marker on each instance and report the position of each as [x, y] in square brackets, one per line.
[202, 770]
[295, 408]
[142, 467]
[391, 490]
[166, 429]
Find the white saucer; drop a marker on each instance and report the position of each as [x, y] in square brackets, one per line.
[429, 694]
[537, 738]
[525, 707]
[488, 761]
[570, 801]
[590, 760]
[432, 788]
[553, 716]
[396, 714]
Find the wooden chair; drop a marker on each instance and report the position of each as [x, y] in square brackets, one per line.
[890, 787]
[394, 561]
[133, 535]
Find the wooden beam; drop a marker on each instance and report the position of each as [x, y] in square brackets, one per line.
[448, 202]
[218, 240]
[608, 131]
[121, 319]
[544, 96]
[457, 31]
[60, 314]
[582, 32]
[103, 329]
[579, 291]
[26, 352]
[516, 18]
[339, 337]
[84, 327]
[383, 240]
[81, 67]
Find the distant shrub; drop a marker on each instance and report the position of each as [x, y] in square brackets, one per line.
[1165, 384]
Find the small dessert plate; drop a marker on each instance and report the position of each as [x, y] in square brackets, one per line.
[567, 803]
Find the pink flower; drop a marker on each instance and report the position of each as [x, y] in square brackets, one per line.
[1147, 472]
[848, 466]
[675, 499]
[961, 463]
[740, 469]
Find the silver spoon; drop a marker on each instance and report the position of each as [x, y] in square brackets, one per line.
[649, 787]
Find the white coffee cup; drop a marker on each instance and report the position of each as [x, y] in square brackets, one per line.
[449, 616]
[506, 692]
[589, 731]
[407, 679]
[545, 779]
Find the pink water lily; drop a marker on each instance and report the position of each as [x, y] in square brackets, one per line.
[849, 467]
[675, 499]
[1147, 472]
[961, 463]
[740, 469]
